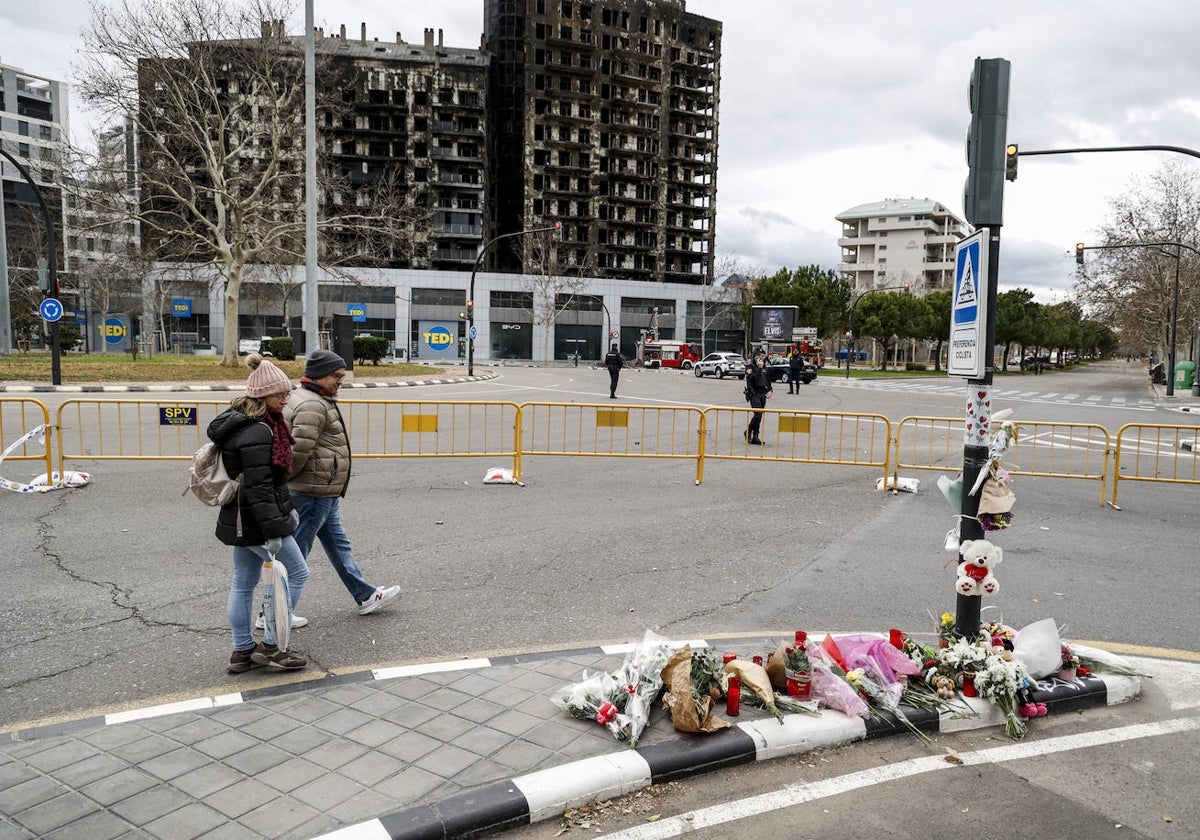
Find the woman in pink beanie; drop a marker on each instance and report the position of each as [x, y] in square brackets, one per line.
[256, 444]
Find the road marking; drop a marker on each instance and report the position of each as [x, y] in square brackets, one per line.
[799, 794]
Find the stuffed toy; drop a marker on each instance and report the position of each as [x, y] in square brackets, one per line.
[979, 559]
[943, 685]
[1026, 706]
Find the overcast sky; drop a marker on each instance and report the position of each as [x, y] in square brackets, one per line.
[825, 106]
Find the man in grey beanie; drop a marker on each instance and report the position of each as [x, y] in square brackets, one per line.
[321, 473]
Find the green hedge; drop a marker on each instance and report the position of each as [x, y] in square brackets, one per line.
[282, 348]
[369, 348]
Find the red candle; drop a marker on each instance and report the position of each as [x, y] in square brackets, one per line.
[758, 660]
[733, 697]
[801, 638]
[728, 657]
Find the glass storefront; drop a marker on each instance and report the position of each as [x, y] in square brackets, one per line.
[511, 340]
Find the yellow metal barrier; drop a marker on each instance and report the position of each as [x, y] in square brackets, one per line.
[19, 416]
[429, 429]
[1152, 452]
[96, 429]
[1044, 449]
[132, 430]
[811, 437]
[594, 429]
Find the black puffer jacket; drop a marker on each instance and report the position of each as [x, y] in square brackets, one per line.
[265, 503]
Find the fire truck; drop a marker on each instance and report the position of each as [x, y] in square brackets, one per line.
[668, 354]
[810, 349]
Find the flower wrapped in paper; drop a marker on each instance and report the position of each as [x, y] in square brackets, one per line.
[830, 687]
[630, 690]
[690, 692]
[640, 676]
[596, 697]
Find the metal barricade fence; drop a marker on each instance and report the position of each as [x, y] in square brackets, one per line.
[132, 430]
[431, 429]
[811, 437]
[18, 416]
[1154, 452]
[174, 429]
[599, 430]
[1044, 449]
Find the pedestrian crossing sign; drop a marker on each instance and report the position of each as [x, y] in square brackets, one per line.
[968, 309]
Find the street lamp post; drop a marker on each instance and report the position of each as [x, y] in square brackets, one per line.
[557, 226]
[51, 267]
[1171, 340]
[850, 318]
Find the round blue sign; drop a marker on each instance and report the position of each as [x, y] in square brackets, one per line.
[51, 309]
[113, 330]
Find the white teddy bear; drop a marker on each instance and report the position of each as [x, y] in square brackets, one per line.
[979, 559]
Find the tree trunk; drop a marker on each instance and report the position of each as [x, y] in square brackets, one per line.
[233, 288]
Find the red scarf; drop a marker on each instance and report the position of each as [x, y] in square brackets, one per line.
[315, 387]
[281, 440]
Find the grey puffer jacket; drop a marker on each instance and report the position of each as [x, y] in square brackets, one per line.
[264, 502]
[321, 456]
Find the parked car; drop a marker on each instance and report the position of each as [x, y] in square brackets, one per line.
[778, 370]
[720, 365]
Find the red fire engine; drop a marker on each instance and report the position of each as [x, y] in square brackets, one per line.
[669, 354]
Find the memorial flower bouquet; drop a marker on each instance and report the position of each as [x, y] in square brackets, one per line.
[998, 681]
[621, 700]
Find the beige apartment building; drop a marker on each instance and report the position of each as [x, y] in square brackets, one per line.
[897, 241]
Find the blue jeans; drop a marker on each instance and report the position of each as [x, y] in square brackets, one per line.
[247, 570]
[319, 519]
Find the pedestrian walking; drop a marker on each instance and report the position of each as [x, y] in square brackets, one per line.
[260, 522]
[758, 390]
[795, 371]
[321, 473]
[614, 362]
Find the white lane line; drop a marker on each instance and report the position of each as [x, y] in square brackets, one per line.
[799, 794]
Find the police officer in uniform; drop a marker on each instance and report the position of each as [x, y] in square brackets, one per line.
[758, 389]
[614, 363]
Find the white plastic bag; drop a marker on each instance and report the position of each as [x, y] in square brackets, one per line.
[1038, 648]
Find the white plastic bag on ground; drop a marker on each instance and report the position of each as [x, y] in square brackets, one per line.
[499, 475]
[1038, 647]
[908, 485]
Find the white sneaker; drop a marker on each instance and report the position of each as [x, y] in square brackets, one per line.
[383, 596]
[297, 621]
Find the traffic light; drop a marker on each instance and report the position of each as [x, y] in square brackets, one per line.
[907, 288]
[1011, 152]
[1079, 253]
[983, 196]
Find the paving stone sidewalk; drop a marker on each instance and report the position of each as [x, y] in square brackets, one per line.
[417, 751]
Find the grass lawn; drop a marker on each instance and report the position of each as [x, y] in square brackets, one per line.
[79, 368]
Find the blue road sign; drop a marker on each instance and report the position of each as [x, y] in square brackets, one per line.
[968, 307]
[474, 332]
[51, 309]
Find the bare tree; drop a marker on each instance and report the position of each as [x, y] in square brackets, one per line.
[1132, 288]
[554, 285]
[215, 89]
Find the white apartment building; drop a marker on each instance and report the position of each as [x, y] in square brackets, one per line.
[33, 125]
[897, 241]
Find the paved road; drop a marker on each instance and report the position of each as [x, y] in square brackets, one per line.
[116, 592]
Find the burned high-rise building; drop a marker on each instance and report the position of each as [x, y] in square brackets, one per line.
[603, 116]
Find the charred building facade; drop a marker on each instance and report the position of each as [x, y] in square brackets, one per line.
[603, 116]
